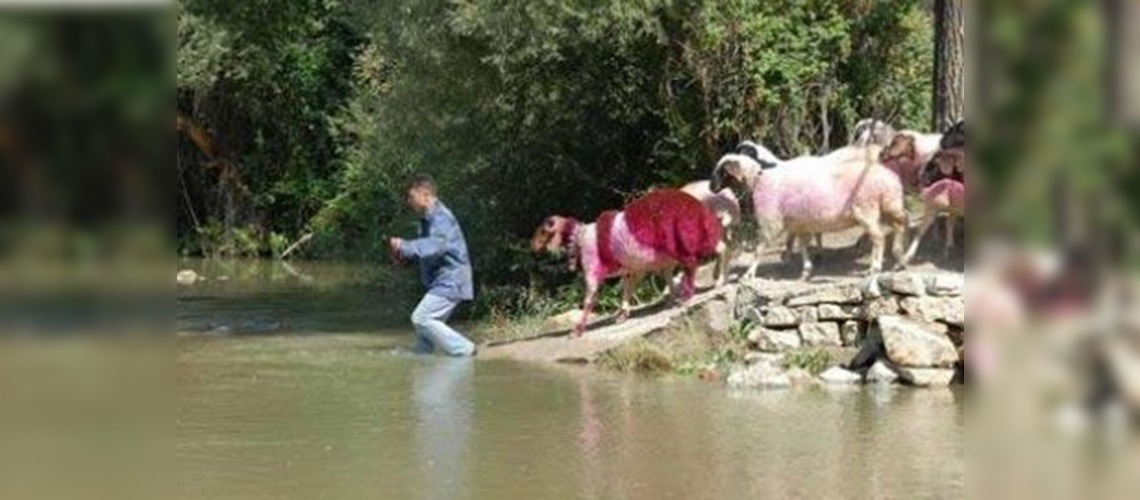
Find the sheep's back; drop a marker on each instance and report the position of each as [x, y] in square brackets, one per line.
[824, 192]
[673, 225]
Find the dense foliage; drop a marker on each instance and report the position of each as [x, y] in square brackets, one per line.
[519, 108]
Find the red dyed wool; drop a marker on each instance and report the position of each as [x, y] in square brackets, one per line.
[605, 225]
[947, 194]
[673, 224]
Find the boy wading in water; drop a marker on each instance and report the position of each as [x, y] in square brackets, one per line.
[445, 271]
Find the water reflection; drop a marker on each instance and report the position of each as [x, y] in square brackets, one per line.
[442, 392]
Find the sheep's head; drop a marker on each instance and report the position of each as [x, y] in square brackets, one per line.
[902, 151]
[745, 165]
[955, 137]
[551, 236]
[872, 131]
[950, 163]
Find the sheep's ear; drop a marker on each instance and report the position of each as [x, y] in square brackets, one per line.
[766, 165]
[749, 150]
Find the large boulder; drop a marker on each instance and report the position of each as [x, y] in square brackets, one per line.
[880, 373]
[837, 312]
[773, 316]
[828, 294]
[946, 284]
[949, 310]
[908, 344]
[820, 334]
[715, 316]
[769, 340]
[903, 283]
[763, 375]
[839, 376]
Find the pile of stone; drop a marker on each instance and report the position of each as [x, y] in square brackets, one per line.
[905, 327]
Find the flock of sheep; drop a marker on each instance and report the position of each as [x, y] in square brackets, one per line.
[863, 185]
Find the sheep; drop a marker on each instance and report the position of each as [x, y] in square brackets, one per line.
[946, 195]
[871, 131]
[764, 156]
[813, 194]
[955, 137]
[664, 229]
[726, 206]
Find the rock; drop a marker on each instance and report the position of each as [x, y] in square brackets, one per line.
[747, 298]
[827, 294]
[839, 376]
[850, 333]
[870, 288]
[908, 344]
[880, 373]
[800, 377]
[951, 310]
[187, 277]
[874, 308]
[946, 284]
[808, 314]
[833, 312]
[716, 316]
[820, 334]
[927, 377]
[759, 375]
[775, 340]
[903, 283]
[775, 316]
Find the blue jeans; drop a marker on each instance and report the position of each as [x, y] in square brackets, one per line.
[432, 332]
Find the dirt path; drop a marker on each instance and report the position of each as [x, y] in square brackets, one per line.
[842, 258]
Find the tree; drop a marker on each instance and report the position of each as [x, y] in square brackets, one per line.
[949, 59]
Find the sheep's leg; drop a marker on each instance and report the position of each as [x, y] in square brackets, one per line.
[874, 231]
[928, 218]
[898, 243]
[767, 236]
[592, 287]
[688, 283]
[948, 243]
[789, 248]
[628, 287]
[818, 240]
[723, 261]
[805, 255]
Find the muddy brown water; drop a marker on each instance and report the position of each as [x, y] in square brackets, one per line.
[318, 404]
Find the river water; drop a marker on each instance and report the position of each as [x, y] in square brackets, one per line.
[300, 386]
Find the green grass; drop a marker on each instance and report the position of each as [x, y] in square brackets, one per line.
[815, 361]
[685, 349]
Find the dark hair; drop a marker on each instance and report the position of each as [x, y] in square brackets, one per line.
[422, 181]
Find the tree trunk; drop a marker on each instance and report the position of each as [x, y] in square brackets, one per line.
[949, 59]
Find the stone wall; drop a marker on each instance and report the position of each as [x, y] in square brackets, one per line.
[906, 327]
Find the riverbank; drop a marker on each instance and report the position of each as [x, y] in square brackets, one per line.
[906, 327]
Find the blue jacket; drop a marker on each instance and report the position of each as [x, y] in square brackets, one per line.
[441, 251]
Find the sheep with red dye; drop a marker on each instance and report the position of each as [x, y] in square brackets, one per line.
[945, 196]
[812, 194]
[726, 206]
[658, 232]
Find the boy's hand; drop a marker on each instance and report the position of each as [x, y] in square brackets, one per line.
[394, 245]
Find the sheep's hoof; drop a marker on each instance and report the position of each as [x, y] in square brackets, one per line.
[622, 316]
